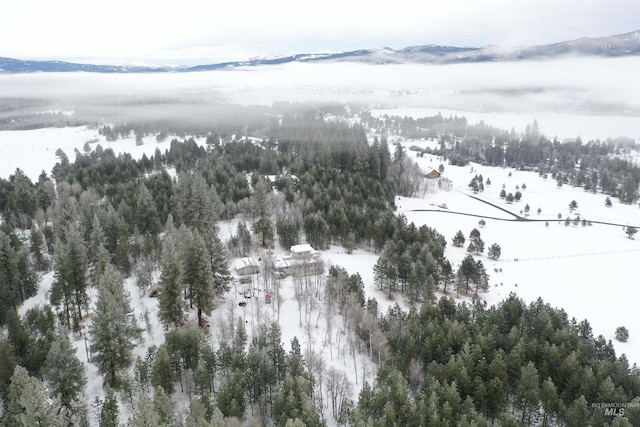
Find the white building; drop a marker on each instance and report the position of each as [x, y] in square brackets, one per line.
[303, 250]
[246, 266]
[303, 261]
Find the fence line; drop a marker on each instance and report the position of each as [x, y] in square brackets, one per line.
[570, 255]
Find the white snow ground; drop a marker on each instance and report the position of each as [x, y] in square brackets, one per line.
[589, 271]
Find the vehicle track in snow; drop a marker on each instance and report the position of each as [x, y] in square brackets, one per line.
[516, 217]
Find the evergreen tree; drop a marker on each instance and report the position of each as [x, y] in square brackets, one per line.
[527, 392]
[171, 304]
[621, 422]
[316, 230]
[494, 251]
[446, 273]
[288, 232]
[114, 329]
[293, 400]
[474, 234]
[631, 231]
[144, 275]
[496, 397]
[198, 276]
[64, 372]
[66, 210]
[7, 366]
[110, 413]
[25, 198]
[474, 186]
[472, 246]
[162, 374]
[164, 408]
[478, 245]
[146, 213]
[206, 371]
[112, 224]
[459, 239]
[98, 256]
[69, 287]
[197, 415]
[28, 404]
[261, 206]
[122, 254]
[219, 263]
[145, 414]
[577, 414]
[197, 206]
[573, 205]
[628, 191]
[9, 277]
[244, 237]
[548, 400]
[31, 337]
[230, 397]
[622, 334]
[480, 279]
[183, 347]
[27, 278]
[385, 273]
[37, 248]
[467, 272]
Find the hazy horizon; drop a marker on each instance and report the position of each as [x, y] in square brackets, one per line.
[598, 87]
[125, 32]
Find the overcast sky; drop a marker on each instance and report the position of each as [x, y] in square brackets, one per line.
[195, 31]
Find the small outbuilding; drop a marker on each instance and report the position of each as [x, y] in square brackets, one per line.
[246, 266]
[433, 174]
[302, 250]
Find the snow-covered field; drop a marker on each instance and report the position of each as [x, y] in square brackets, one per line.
[35, 150]
[560, 125]
[587, 270]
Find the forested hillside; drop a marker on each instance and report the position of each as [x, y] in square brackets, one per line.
[100, 218]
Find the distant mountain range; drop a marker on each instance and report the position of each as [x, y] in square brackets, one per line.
[618, 45]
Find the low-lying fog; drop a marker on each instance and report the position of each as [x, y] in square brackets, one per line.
[590, 97]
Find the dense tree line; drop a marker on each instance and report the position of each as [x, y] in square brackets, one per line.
[18, 280]
[437, 126]
[35, 349]
[464, 364]
[411, 261]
